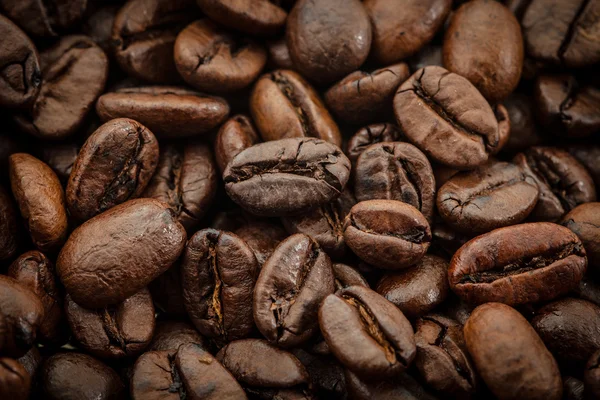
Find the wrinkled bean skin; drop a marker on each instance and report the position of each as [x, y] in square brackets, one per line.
[263, 238]
[261, 17]
[510, 356]
[518, 264]
[114, 165]
[15, 381]
[45, 18]
[104, 262]
[235, 136]
[9, 240]
[584, 221]
[592, 376]
[291, 285]
[346, 276]
[170, 335]
[371, 134]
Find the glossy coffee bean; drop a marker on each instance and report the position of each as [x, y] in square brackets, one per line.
[436, 106]
[117, 253]
[218, 273]
[584, 220]
[287, 177]
[76, 376]
[114, 165]
[284, 105]
[15, 381]
[346, 276]
[204, 51]
[9, 240]
[279, 54]
[592, 376]
[170, 335]
[518, 264]
[41, 200]
[418, 289]
[262, 237]
[371, 134]
[510, 356]
[186, 179]
[234, 136]
[291, 285]
[48, 18]
[363, 97]
[367, 333]
[402, 29]
[523, 127]
[60, 157]
[396, 171]
[588, 155]
[261, 17]
[388, 234]
[318, 52]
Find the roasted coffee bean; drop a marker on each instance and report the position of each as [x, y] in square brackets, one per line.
[262, 237]
[74, 73]
[15, 381]
[291, 285]
[122, 330]
[592, 376]
[446, 239]
[98, 26]
[287, 177]
[402, 386]
[484, 44]
[346, 276]
[567, 107]
[143, 36]
[371, 134]
[523, 128]
[389, 234]
[363, 97]
[76, 376]
[36, 272]
[588, 290]
[442, 357]
[326, 374]
[114, 165]
[44, 18]
[168, 111]
[328, 39]
[32, 361]
[562, 32]
[261, 17]
[396, 171]
[284, 105]
[218, 273]
[235, 136]
[509, 356]
[170, 335]
[494, 195]
[189, 372]
[584, 220]
[60, 157]
[279, 54]
[41, 200]
[564, 183]
[9, 240]
[518, 264]
[588, 155]
[503, 119]
[402, 29]
[20, 75]
[446, 117]
[367, 333]
[117, 253]
[204, 51]
[418, 289]
[431, 54]
[443, 174]
[186, 179]
[325, 224]
[167, 293]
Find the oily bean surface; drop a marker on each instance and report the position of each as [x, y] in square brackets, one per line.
[48, 18]
[584, 220]
[234, 136]
[262, 17]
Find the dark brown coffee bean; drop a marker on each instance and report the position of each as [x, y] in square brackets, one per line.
[483, 43]
[9, 239]
[588, 290]
[186, 179]
[564, 183]
[287, 176]
[510, 357]
[503, 119]
[143, 36]
[167, 293]
[371, 134]
[170, 335]
[98, 26]
[45, 18]
[442, 174]
[396, 171]
[235, 136]
[346, 276]
[588, 155]
[114, 255]
[592, 376]
[419, 289]
[122, 330]
[169, 111]
[402, 29]
[573, 388]
[76, 376]
[74, 73]
[41, 200]
[518, 264]
[284, 105]
[21, 314]
[15, 381]
[401, 386]
[204, 51]
[114, 165]
[60, 157]
[326, 374]
[584, 220]
[389, 234]
[442, 357]
[36, 272]
[291, 285]
[32, 361]
[328, 39]
[494, 195]
[435, 106]
[367, 333]
[431, 54]
[261, 17]
[363, 97]
[218, 273]
[262, 237]
[279, 54]
[20, 75]
[523, 128]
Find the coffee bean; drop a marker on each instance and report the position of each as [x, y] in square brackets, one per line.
[518, 264]
[402, 386]
[435, 106]
[235, 136]
[279, 54]
[261, 17]
[9, 240]
[503, 119]
[346, 276]
[117, 253]
[573, 388]
[431, 54]
[32, 361]
[262, 237]
[523, 127]
[326, 374]
[592, 376]
[167, 292]
[371, 134]
[98, 26]
[171, 335]
[60, 157]
[287, 177]
[584, 220]
[509, 356]
[48, 18]
[15, 381]
[588, 155]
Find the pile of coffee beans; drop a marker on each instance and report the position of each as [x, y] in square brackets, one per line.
[299, 199]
